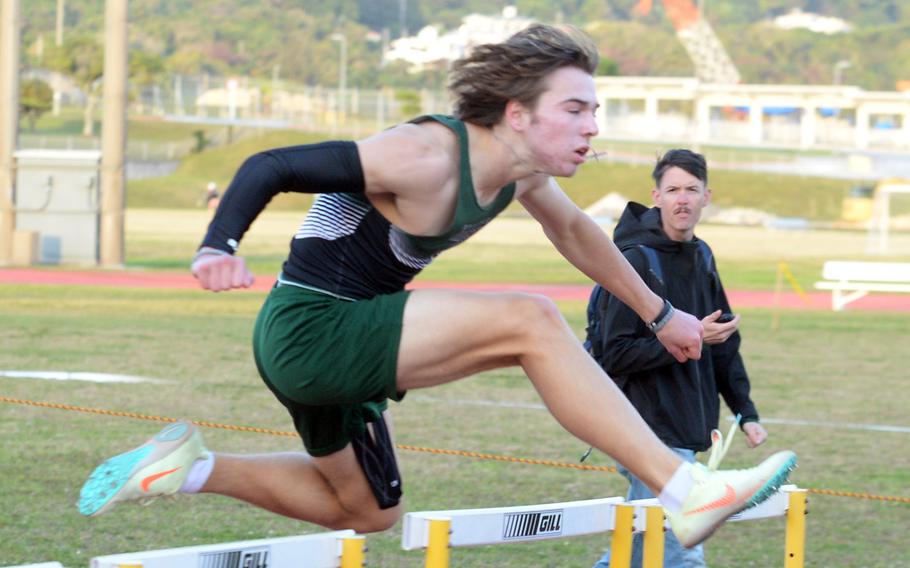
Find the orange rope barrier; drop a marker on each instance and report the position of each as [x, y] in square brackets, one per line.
[459, 453]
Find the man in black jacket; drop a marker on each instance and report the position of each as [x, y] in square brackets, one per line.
[679, 401]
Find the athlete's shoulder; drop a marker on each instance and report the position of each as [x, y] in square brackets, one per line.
[415, 140]
[405, 155]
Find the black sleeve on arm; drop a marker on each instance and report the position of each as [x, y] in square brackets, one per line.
[327, 167]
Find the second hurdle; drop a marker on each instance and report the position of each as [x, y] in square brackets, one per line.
[438, 531]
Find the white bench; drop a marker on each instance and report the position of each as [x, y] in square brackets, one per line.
[849, 281]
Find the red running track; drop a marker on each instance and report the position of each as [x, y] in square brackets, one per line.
[139, 279]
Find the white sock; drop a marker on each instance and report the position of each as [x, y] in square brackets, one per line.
[677, 489]
[199, 474]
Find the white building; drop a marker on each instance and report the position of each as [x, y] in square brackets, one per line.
[430, 46]
[832, 117]
[797, 19]
[424, 49]
[231, 101]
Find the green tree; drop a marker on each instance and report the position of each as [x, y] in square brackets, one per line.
[81, 57]
[252, 37]
[607, 66]
[35, 98]
[145, 69]
[409, 101]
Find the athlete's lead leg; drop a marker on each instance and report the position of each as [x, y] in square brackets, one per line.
[449, 335]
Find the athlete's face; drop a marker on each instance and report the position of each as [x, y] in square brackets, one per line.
[681, 197]
[560, 127]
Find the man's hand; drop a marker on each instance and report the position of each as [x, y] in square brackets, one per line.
[682, 336]
[217, 271]
[718, 332]
[755, 434]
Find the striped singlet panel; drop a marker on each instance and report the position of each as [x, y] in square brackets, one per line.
[347, 248]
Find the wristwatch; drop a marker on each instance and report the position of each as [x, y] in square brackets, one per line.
[663, 318]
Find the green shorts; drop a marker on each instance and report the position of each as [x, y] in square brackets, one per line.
[331, 362]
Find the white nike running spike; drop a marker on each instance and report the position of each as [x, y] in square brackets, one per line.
[158, 467]
[718, 494]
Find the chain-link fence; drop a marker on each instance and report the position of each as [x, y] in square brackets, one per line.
[247, 105]
[278, 103]
[135, 149]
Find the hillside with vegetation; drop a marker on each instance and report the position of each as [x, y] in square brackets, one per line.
[291, 38]
[816, 199]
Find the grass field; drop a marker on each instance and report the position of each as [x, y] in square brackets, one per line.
[70, 122]
[510, 249]
[818, 199]
[821, 380]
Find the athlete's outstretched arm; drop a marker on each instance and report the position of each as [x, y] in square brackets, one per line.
[585, 245]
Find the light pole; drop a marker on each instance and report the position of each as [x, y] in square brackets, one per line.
[10, 35]
[839, 68]
[342, 73]
[113, 133]
[232, 86]
[402, 18]
[61, 14]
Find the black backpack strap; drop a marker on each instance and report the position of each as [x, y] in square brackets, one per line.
[594, 330]
[654, 266]
[704, 251]
[597, 301]
[706, 255]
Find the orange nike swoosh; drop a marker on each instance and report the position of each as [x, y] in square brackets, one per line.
[728, 497]
[144, 484]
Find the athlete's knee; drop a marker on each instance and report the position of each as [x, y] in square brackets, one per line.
[539, 318]
[367, 520]
[533, 308]
[379, 520]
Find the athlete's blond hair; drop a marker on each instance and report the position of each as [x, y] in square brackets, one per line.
[495, 73]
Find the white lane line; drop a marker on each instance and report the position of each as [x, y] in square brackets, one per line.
[79, 376]
[526, 405]
[837, 425]
[783, 421]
